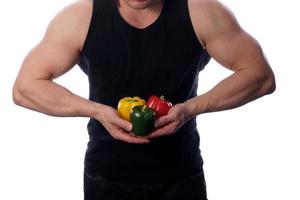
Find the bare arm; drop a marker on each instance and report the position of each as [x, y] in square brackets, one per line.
[56, 54]
[218, 30]
[234, 49]
[53, 56]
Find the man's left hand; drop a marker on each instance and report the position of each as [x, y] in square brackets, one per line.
[170, 123]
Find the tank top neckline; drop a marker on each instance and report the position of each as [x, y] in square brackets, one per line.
[123, 21]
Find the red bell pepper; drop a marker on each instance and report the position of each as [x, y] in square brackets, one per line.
[160, 106]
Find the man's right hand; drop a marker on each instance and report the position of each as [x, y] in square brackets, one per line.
[118, 128]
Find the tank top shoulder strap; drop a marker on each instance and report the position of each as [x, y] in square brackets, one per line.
[179, 20]
[100, 12]
[176, 7]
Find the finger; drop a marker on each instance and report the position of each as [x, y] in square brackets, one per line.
[162, 121]
[126, 137]
[134, 140]
[122, 123]
[164, 131]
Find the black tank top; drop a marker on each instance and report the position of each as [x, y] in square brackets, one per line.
[161, 59]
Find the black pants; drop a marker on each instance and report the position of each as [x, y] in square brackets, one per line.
[190, 188]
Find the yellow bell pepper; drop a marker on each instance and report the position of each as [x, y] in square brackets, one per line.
[126, 104]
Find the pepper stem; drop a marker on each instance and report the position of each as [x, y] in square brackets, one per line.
[144, 107]
[162, 97]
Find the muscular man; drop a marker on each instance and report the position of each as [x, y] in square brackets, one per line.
[141, 48]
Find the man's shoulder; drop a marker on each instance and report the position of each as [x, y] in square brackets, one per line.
[71, 23]
[85, 4]
[203, 2]
[79, 14]
[80, 6]
[213, 15]
[74, 13]
[206, 6]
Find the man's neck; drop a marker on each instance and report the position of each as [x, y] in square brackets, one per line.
[138, 14]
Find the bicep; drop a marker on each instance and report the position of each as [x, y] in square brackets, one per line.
[228, 43]
[59, 49]
[237, 51]
[48, 60]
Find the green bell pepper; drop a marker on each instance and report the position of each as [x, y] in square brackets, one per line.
[142, 119]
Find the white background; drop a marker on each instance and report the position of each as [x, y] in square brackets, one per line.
[250, 153]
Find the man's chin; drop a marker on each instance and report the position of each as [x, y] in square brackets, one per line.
[139, 4]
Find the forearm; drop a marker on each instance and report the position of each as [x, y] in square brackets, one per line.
[236, 90]
[52, 99]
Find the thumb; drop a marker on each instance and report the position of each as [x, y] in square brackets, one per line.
[124, 124]
[163, 121]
